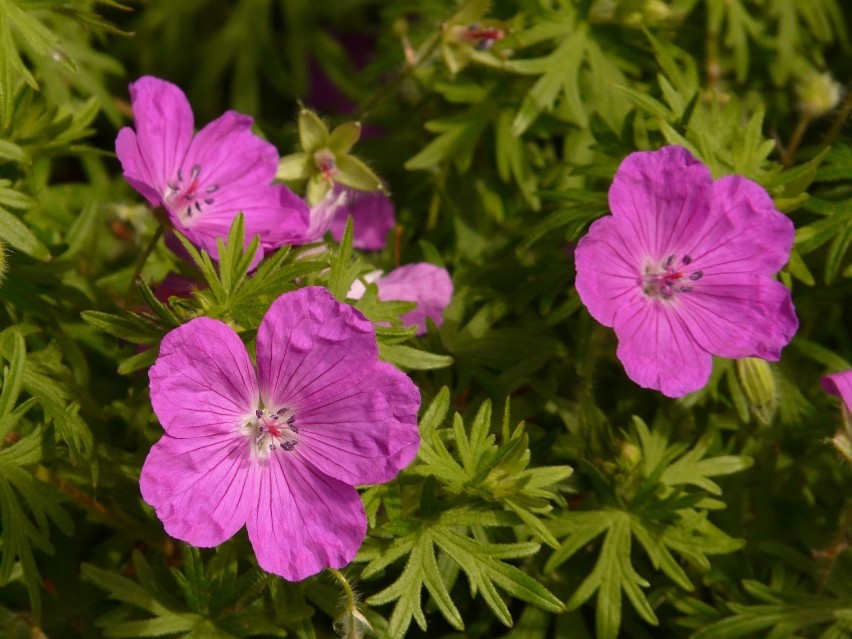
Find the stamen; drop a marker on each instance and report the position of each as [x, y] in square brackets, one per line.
[188, 211]
[288, 445]
[212, 188]
[209, 200]
[696, 276]
[196, 169]
[686, 259]
[258, 413]
[669, 261]
[198, 206]
[180, 174]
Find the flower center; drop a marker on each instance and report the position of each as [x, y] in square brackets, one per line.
[668, 278]
[187, 196]
[270, 431]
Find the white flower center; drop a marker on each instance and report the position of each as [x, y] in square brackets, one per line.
[269, 431]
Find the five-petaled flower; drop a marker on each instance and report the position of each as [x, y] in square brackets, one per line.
[682, 270]
[279, 451]
[204, 180]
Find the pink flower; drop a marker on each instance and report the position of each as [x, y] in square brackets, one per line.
[279, 451]
[372, 214]
[682, 270]
[839, 385]
[204, 180]
[428, 285]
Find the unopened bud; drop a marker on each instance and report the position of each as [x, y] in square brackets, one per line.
[818, 94]
[759, 385]
[629, 456]
[351, 624]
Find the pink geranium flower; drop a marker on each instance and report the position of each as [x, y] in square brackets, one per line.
[279, 451]
[204, 180]
[682, 270]
[428, 285]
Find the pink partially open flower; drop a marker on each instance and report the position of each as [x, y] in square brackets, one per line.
[280, 450]
[682, 270]
[204, 180]
[428, 285]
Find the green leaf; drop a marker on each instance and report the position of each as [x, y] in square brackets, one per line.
[409, 358]
[16, 233]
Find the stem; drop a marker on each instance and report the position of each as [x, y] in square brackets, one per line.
[798, 134]
[140, 263]
[344, 583]
[87, 502]
[410, 66]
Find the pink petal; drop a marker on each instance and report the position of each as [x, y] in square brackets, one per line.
[304, 521]
[164, 127]
[428, 285]
[323, 213]
[273, 212]
[373, 216]
[230, 155]
[311, 348]
[740, 315]
[664, 197]
[135, 169]
[607, 262]
[203, 488]
[745, 234]
[657, 349]
[367, 433]
[840, 385]
[203, 382]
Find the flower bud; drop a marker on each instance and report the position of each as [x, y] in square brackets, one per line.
[759, 385]
[818, 94]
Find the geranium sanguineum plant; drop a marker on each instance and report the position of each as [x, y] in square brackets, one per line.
[203, 180]
[279, 450]
[682, 270]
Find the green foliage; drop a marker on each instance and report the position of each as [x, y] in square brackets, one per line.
[495, 127]
[656, 503]
[462, 496]
[194, 610]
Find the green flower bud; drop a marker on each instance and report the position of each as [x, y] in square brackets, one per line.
[759, 386]
[818, 94]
